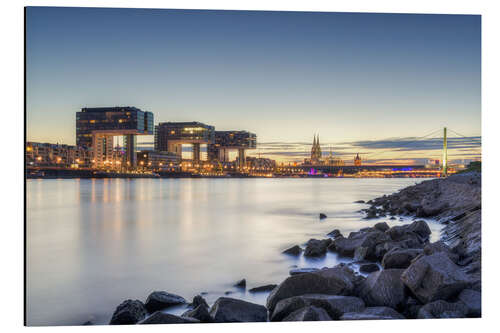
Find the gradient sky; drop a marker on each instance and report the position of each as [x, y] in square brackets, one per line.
[366, 83]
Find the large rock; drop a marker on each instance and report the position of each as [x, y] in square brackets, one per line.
[294, 250]
[472, 300]
[373, 313]
[308, 313]
[128, 313]
[399, 258]
[381, 226]
[421, 228]
[339, 280]
[267, 287]
[241, 284]
[434, 277]
[368, 268]
[166, 318]
[440, 246]
[335, 233]
[316, 248]
[199, 300]
[227, 310]
[442, 309]
[200, 313]
[368, 239]
[159, 300]
[384, 288]
[335, 306]
[431, 207]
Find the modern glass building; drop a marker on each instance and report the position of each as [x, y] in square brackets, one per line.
[96, 127]
[231, 140]
[170, 136]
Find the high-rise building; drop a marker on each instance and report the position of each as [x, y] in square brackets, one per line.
[226, 141]
[96, 128]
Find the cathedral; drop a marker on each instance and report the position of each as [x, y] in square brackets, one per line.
[316, 150]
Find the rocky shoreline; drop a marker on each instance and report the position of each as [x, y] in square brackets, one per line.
[408, 276]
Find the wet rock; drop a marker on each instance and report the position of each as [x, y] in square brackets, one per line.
[241, 284]
[347, 246]
[298, 271]
[411, 308]
[382, 226]
[197, 301]
[159, 300]
[360, 253]
[308, 313]
[442, 309]
[322, 216]
[373, 313]
[129, 312]
[200, 313]
[335, 306]
[440, 246]
[399, 258]
[335, 233]
[316, 248]
[339, 280]
[392, 218]
[359, 201]
[421, 228]
[384, 288]
[434, 277]
[431, 207]
[472, 300]
[88, 323]
[166, 318]
[267, 287]
[227, 310]
[294, 250]
[368, 268]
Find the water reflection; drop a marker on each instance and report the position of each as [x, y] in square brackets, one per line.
[103, 241]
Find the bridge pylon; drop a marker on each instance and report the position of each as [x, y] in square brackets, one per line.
[445, 154]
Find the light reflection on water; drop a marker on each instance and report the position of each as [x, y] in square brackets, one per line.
[93, 243]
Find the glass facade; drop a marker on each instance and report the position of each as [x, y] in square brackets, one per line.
[128, 119]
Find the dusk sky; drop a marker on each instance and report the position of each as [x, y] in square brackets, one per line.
[367, 83]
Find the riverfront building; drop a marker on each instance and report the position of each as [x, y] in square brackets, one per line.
[357, 160]
[158, 160]
[226, 141]
[57, 155]
[96, 128]
[170, 136]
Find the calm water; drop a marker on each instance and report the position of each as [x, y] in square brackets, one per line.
[93, 243]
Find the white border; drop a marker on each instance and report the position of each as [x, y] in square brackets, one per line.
[12, 157]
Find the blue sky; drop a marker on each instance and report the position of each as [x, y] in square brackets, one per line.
[283, 75]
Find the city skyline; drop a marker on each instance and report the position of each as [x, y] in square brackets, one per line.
[356, 79]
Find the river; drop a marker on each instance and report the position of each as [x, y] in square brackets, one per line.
[92, 243]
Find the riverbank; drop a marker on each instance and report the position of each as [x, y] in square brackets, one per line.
[410, 277]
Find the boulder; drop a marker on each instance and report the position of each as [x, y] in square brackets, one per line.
[434, 277]
[399, 258]
[411, 308]
[294, 250]
[322, 216]
[373, 313]
[241, 284]
[421, 228]
[200, 313]
[267, 287]
[368, 268]
[297, 271]
[308, 313]
[360, 253]
[472, 300]
[339, 280]
[316, 248]
[129, 312]
[442, 309]
[159, 300]
[166, 318]
[440, 246]
[335, 233]
[384, 288]
[370, 239]
[199, 300]
[382, 226]
[227, 310]
[335, 306]
[431, 207]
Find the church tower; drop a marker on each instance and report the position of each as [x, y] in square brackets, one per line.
[357, 160]
[315, 150]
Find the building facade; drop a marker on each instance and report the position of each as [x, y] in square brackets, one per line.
[226, 141]
[57, 155]
[158, 160]
[96, 128]
[170, 136]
